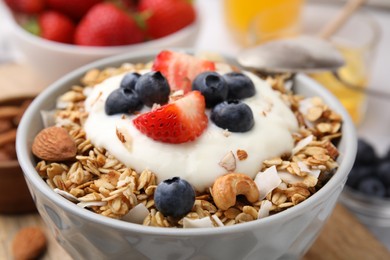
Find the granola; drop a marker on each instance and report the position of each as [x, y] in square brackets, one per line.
[99, 182]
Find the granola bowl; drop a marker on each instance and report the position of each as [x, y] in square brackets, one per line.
[87, 235]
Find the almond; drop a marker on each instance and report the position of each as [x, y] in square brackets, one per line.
[8, 137]
[29, 243]
[5, 125]
[54, 144]
[7, 112]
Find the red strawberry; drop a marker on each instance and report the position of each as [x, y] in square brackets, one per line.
[73, 8]
[178, 122]
[107, 25]
[180, 69]
[55, 26]
[26, 6]
[166, 16]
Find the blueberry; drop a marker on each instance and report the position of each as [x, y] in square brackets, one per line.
[233, 115]
[372, 186]
[152, 88]
[174, 197]
[358, 173]
[387, 156]
[122, 101]
[383, 172]
[212, 86]
[240, 86]
[366, 154]
[129, 80]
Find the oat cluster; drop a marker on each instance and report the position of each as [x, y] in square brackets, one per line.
[99, 182]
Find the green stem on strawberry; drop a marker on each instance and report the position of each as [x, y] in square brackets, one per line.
[31, 25]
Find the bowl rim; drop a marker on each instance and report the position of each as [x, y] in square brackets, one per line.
[96, 50]
[24, 157]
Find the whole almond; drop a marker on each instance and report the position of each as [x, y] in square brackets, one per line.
[29, 243]
[5, 125]
[8, 137]
[7, 112]
[54, 144]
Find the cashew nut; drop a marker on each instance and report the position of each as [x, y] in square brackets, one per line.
[227, 187]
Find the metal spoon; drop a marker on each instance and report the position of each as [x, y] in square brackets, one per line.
[303, 53]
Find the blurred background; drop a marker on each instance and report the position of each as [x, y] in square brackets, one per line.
[28, 64]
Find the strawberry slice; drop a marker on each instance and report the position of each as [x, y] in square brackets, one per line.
[178, 122]
[180, 69]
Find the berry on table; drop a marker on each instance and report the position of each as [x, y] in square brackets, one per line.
[174, 197]
[212, 86]
[122, 101]
[152, 88]
[358, 173]
[240, 86]
[372, 186]
[181, 121]
[233, 115]
[383, 172]
[365, 153]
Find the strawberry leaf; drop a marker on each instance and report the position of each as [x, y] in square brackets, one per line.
[31, 25]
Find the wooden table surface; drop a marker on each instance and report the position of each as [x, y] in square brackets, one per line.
[343, 237]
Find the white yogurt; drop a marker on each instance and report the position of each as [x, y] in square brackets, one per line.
[197, 161]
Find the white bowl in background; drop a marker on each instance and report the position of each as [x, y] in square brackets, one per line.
[87, 235]
[51, 60]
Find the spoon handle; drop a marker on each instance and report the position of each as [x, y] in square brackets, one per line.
[367, 91]
[333, 26]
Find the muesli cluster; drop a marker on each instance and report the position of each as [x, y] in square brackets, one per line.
[95, 179]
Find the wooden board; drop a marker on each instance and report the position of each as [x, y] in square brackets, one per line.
[343, 237]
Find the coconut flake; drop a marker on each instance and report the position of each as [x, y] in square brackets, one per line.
[305, 105]
[48, 117]
[197, 223]
[87, 91]
[137, 214]
[290, 178]
[264, 210]
[267, 181]
[125, 137]
[66, 195]
[302, 144]
[228, 162]
[88, 204]
[217, 220]
[304, 168]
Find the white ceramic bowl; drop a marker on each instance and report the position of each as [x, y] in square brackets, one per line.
[86, 235]
[52, 60]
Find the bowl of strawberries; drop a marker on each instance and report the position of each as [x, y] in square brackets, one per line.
[57, 36]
